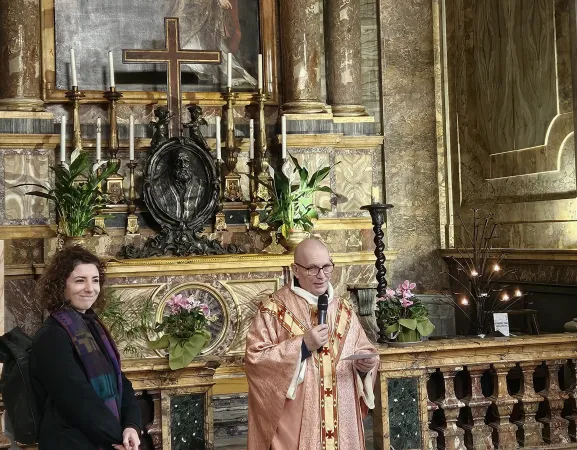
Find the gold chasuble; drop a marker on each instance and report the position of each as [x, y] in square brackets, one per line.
[317, 404]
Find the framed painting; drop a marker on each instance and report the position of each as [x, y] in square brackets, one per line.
[242, 28]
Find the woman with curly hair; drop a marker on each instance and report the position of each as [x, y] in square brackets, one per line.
[87, 402]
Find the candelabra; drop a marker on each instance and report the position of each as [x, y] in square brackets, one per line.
[114, 182]
[378, 213]
[232, 189]
[220, 219]
[74, 96]
[132, 220]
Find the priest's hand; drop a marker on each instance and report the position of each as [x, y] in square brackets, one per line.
[365, 365]
[316, 337]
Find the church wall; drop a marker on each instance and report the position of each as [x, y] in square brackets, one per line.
[508, 120]
[410, 152]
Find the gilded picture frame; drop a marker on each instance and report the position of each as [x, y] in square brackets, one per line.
[53, 93]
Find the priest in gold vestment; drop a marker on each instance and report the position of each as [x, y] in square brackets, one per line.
[303, 393]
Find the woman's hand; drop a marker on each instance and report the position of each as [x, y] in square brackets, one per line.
[225, 4]
[130, 440]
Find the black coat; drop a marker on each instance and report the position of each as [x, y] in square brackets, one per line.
[74, 417]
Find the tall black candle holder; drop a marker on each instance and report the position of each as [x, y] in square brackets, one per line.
[378, 213]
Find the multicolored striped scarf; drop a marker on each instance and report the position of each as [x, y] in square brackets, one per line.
[106, 380]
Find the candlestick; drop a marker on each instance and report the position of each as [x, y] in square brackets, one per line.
[220, 219]
[262, 168]
[254, 217]
[251, 139]
[218, 143]
[259, 68]
[73, 67]
[98, 139]
[132, 219]
[111, 69]
[283, 137]
[63, 140]
[378, 213]
[131, 138]
[229, 70]
[233, 191]
[74, 97]
[114, 182]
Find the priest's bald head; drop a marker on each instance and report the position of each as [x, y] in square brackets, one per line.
[312, 266]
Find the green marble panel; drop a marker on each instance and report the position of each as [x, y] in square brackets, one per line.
[187, 422]
[404, 426]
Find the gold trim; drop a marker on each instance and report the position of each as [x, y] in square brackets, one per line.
[26, 231]
[336, 140]
[345, 223]
[221, 264]
[549, 255]
[35, 141]
[26, 115]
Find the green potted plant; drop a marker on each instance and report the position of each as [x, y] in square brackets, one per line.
[401, 316]
[76, 194]
[291, 209]
[184, 327]
[129, 323]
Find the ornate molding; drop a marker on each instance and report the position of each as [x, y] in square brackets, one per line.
[221, 263]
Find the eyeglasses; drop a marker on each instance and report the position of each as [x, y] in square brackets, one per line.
[315, 271]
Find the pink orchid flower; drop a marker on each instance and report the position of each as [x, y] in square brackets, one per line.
[175, 303]
[205, 310]
[407, 285]
[406, 303]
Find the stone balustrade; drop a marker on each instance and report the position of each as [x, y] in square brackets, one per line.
[478, 394]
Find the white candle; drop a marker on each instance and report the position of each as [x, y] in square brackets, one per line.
[375, 193]
[63, 139]
[98, 139]
[131, 139]
[111, 69]
[229, 69]
[73, 67]
[218, 148]
[251, 139]
[259, 71]
[283, 136]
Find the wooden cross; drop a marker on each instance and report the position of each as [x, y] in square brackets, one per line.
[173, 56]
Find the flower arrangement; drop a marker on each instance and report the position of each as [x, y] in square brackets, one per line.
[402, 315]
[185, 330]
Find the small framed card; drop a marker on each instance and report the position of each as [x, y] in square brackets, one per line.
[501, 321]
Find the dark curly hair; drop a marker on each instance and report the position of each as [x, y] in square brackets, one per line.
[52, 284]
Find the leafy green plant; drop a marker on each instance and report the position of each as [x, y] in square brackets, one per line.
[129, 324]
[403, 314]
[291, 207]
[76, 193]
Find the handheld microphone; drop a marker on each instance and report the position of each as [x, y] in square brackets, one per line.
[323, 305]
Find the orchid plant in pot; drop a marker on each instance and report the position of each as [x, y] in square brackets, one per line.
[185, 330]
[402, 316]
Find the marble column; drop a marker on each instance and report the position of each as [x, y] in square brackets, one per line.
[20, 55]
[344, 83]
[300, 26]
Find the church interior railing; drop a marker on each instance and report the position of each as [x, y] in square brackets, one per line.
[473, 393]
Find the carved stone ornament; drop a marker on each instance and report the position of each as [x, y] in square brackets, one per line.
[180, 189]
